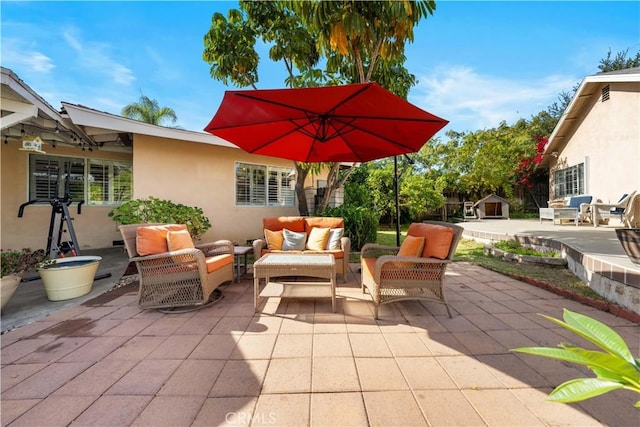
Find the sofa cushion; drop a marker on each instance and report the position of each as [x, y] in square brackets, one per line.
[322, 222]
[274, 239]
[333, 242]
[438, 239]
[177, 240]
[216, 262]
[318, 238]
[412, 246]
[292, 223]
[152, 239]
[576, 201]
[293, 241]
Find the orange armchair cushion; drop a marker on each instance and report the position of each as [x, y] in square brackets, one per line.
[152, 239]
[216, 262]
[411, 246]
[438, 239]
[177, 240]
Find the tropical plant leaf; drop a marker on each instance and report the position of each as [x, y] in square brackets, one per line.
[581, 389]
[610, 362]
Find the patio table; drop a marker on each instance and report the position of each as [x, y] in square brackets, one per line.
[321, 266]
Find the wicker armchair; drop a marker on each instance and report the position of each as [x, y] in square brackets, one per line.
[390, 278]
[182, 278]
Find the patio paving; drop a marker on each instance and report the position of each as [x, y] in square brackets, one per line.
[106, 362]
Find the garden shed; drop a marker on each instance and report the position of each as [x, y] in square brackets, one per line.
[492, 206]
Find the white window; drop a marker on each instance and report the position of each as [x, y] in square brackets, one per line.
[102, 182]
[260, 185]
[569, 181]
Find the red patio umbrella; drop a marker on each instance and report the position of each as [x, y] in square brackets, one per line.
[350, 123]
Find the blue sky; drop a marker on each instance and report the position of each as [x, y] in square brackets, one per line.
[478, 63]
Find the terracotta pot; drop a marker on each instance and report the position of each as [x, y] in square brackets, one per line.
[70, 277]
[630, 240]
[8, 285]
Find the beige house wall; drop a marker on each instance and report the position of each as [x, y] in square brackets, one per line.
[94, 229]
[607, 140]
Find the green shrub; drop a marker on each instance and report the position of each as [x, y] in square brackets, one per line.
[360, 224]
[152, 210]
[515, 247]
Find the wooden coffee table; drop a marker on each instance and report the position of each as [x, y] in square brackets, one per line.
[322, 266]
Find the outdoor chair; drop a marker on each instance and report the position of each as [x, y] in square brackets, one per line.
[599, 212]
[176, 275]
[413, 271]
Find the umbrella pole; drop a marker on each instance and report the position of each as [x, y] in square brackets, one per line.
[395, 190]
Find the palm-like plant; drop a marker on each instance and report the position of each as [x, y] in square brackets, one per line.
[147, 110]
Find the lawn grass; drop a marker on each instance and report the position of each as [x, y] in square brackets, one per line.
[471, 251]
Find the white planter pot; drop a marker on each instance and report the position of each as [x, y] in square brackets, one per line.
[8, 285]
[70, 277]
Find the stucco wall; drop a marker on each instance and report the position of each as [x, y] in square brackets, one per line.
[94, 229]
[203, 175]
[607, 140]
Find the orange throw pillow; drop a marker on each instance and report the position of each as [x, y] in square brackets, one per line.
[318, 238]
[152, 239]
[274, 239]
[177, 240]
[411, 246]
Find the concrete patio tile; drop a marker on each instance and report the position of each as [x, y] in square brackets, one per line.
[263, 324]
[512, 371]
[226, 411]
[501, 307]
[228, 325]
[394, 325]
[137, 348]
[176, 347]
[12, 409]
[164, 327]
[288, 376]
[501, 407]
[299, 306]
[43, 383]
[379, 374]
[95, 328]
[293, 345]
[332, 323]
[364, 324]
[240, 378]
[67, 313]
[170, 411]
[334, 374]
[357, 307]
[469, 373]
[425, 323]
[448, 408]
[412, 308]
[302, 324]
[486, 322]
[600, 408]
[55, 350]
[112, 411]
[497, 294]
[282, 410]
[97, 379]
[443, 344]
[457, 324]
[392, 408]
[254, 347]
[524, 306]
[198, 325]
[192, 378]
[546, 337]
[553, 413]
[11, 375]
[424, 373]
[216, 347]
[331, 345]
[510, 338]
[20, 349]
[466, 307]
[338, 409]
[516, 321]
[242, 309]
[369, 345]
[403, 345]
[554, 372]
[129, 328]
[479, 343]
[56, 410]
[147, 377]
[24, 332]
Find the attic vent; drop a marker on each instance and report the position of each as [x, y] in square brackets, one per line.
[605, 93]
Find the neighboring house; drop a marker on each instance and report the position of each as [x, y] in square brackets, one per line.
[595, 147]
[111, 159]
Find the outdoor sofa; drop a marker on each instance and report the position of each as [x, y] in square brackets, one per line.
[305, 235]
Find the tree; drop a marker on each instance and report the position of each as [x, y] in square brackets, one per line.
[620, 62]
[148, 110]
[361, 41]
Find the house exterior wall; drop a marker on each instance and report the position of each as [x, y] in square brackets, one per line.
[94, 229]
[203, 175]
[607, 140]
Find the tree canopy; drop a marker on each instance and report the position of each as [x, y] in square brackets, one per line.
[149, 111]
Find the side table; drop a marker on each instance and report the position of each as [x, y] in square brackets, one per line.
[239, 251]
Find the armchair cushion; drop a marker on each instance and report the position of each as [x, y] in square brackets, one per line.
[293, 241]
[411, 246]
[333, 242]
[216, 262]
[438, 239]
[152, 239]
[274, 239]
[180, 239]
[318, 238]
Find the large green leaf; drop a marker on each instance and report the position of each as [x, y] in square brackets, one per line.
[581, 389]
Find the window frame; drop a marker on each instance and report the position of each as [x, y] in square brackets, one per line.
[569, 181]
[259, 191]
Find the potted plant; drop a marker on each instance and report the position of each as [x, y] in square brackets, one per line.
[70, 277]
[14, 265]
[630, 240]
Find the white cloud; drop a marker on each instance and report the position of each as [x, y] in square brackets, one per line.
[473, 101]
[16, 52]
[95, 57]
